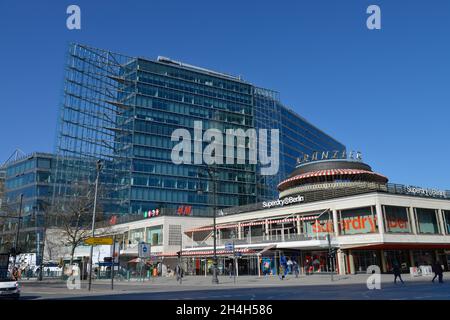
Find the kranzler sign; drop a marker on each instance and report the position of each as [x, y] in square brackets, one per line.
[283, 202]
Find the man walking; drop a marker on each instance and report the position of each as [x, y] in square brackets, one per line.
[397, 272]
[179, 273]
[438, 272]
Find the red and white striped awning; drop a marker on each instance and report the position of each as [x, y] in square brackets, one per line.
[253, 223]
[330, 172]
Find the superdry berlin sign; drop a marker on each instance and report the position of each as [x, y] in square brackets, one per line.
[426, 192]
[283, 202]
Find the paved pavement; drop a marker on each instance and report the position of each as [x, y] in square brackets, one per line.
[349, 287]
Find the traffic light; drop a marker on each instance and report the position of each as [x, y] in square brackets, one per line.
[179, 254]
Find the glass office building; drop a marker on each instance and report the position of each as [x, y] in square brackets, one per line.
[29, 177]
[123, 110]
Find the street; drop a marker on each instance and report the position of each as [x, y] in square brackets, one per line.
[316, 287]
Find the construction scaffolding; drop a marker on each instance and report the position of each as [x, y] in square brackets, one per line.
[96, 123]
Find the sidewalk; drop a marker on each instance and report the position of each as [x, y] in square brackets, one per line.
[243, 281]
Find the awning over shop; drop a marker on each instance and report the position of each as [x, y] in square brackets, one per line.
[267, 249]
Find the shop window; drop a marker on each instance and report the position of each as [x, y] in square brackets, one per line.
[396, 219]
[427, 221]
[357, 221]
[136, 236]
[320, 227]
[155, 235]
[446, 214]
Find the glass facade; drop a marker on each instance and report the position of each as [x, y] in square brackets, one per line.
[357, 221]
[155, 235]
[446, 214]
[143, 102]
[31, 177]
[427, 221]
[297, 136]
[397, 219]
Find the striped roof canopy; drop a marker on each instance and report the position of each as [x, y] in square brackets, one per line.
[331, 175]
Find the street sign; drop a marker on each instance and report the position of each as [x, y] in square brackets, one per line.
[229, 246]
[144, 250]
[97, 241]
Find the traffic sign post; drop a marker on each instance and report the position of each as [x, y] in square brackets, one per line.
[144, 252]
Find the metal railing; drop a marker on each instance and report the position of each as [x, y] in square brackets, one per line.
[259, 239]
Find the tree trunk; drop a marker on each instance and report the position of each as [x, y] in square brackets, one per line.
[72, 253]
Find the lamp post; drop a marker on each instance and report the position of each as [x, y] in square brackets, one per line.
[330, 250]
[212, 177]
[99, 166]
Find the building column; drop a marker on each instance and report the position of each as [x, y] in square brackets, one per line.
[379, 215]
[441, 221]
[412, 217]
[411, 258]
[351, 262]
[239, 231]
[266, 229]
[298, 225]
[341, 262]
[383, 262]
[335, 223]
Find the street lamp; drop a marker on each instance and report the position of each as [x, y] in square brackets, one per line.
[212, 177]
[330, 249]
[99, 165]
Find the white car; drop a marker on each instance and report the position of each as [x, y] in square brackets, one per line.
[9, 288]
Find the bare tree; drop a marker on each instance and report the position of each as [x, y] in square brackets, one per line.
[73, 214]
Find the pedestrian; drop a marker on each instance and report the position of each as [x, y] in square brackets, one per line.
[179, 273]
[296, 270]
[289, 266]
[230, 269]
[397, 272]
[438, 272]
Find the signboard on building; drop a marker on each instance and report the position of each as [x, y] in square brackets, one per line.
[283, 202]
[144, 250]
[184, 210]
[151, 213]
[428, 192]
[98, 241]
[329, 155]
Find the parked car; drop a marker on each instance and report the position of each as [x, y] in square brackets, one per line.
[9, 288]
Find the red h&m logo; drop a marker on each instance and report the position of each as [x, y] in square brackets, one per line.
[113, 220]
[184, 210]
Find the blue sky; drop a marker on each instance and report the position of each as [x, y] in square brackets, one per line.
[384, 92]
